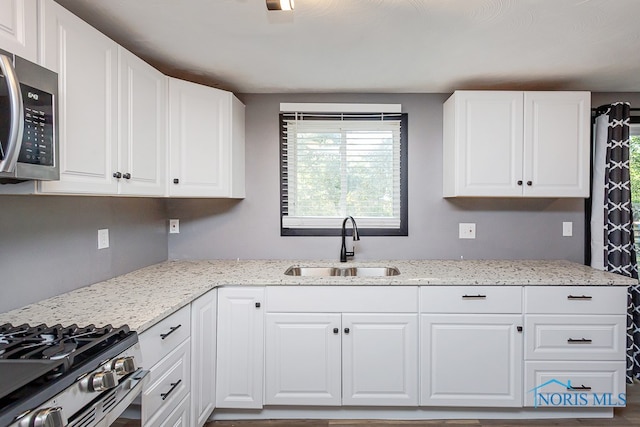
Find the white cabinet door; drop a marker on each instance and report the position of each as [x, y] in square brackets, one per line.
[380, 359]
[556, 141]
[87, 65]
[515, 144]
[470, 360]
[206, 141]
[142, 127]
[482, 151]
[203, 356]
[302, 359]
[240, 348]
[19, 28]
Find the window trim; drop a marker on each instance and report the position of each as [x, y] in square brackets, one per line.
[403, 230]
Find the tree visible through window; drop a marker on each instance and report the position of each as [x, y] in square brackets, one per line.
[334, 165]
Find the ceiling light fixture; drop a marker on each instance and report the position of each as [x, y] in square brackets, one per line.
[280, 4]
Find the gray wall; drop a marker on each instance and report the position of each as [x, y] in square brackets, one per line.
[506, 228]
[48, 244]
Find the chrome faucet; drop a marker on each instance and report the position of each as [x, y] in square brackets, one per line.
[343, 250]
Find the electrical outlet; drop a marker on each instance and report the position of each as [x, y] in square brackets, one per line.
[103, 238]
[567, 229]
[174, 226]
[467, 230]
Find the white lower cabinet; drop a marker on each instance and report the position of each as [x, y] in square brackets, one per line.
[471, 360]
[341, 359]
[397, 347]
[303, 359]
[471, 346]
[169, 384]
[333, 359]
[203, 356]
[380, 359]
[574, 384]
[240, 352]
[575, 346]
[166, 353]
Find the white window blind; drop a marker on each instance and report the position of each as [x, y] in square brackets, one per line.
[334, 165]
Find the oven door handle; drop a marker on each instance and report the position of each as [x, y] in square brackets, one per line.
[16, 125]
[126, 391]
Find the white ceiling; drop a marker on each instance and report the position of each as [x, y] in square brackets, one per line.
[381, 45]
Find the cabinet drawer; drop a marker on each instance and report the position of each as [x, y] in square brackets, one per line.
[471, 299]
[592, 384]
[159, 340]
[576, 299]
[575, 337]
[179, 417]
[339, 299]
[169, 383]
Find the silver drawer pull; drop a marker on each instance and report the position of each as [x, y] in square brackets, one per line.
[580, 297]
[582, 387]
[173, 387]
[474, 296]
[579, 341]
[172, 329]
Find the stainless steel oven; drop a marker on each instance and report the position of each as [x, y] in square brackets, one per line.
[28, 120]
[57, 376]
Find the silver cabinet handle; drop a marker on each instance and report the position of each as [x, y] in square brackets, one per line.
[16, 126]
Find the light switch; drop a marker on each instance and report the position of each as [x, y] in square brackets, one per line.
[467, 230]
[567, 229]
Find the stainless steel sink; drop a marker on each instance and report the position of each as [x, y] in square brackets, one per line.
[347, 271]
[313, 271]
[371, 271]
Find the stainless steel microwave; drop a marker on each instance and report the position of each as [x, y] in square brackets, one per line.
[28, 120]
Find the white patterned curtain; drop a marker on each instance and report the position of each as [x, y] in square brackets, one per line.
[612, 238]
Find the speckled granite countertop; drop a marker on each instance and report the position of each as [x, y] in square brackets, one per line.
[143, 297]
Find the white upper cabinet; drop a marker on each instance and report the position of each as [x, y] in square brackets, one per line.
[112, 112]
[87, 65]
[142, 139]
[556, 141]
[19, 28]
[516, 144]
[206, 142]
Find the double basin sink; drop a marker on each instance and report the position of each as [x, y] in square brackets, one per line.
[342, 271]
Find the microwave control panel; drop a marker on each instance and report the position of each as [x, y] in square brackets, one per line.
[37, 137]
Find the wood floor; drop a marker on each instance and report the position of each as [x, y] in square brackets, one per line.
[627, 417]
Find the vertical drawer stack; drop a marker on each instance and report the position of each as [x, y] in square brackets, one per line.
[166, 353]
[575, 342]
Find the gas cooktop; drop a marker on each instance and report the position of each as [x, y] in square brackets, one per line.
[40, 362]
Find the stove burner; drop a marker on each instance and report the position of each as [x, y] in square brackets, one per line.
[59, 350]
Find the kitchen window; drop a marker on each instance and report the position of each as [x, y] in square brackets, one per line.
[343, 159]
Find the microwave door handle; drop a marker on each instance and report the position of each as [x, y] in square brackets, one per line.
[16, 126]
